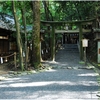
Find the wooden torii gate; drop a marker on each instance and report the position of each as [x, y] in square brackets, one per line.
[53, 24]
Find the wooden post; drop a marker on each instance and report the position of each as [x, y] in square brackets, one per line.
[85, 55]
[40, 52]
[53, 43]
[15, 60]
[80, 41]
[98, 50]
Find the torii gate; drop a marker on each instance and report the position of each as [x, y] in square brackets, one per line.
[53, 24]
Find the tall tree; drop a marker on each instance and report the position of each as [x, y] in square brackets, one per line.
[23, 11]
[18, 36]
[48, 14]
[36, 34]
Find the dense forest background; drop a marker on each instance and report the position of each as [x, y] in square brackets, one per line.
[28, 14]
[54, 10]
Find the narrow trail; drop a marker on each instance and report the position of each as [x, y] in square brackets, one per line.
[67, 80]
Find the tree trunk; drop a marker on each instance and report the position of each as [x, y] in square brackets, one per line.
[48, 14]
[25, 32]
[18, 36]
[36, 35]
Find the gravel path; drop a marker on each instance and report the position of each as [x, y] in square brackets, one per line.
[56, 84]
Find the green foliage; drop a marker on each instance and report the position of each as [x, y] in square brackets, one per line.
[60, 10]
[73, 10]
[6, 7]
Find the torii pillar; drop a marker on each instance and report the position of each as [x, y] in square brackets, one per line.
[80, 41]
[53, 43]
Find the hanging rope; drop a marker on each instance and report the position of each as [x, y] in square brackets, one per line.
[14, 54]
[7, 56]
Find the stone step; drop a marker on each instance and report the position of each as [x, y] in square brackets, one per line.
[70, 48]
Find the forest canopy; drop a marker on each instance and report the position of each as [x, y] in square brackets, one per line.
[56, 10]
